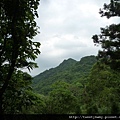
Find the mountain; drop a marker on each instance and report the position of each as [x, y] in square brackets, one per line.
[69, 71]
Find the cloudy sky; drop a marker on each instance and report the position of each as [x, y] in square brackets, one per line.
[66, 28]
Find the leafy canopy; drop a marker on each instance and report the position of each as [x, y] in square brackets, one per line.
[109, 39]
[17, 29]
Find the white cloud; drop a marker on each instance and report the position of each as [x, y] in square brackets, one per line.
[66, 28]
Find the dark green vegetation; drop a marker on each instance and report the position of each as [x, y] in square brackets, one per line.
[68, 71]
[17, 50]
[109, 39]
[79, 87]
[88, 86]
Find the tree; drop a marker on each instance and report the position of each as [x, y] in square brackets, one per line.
[103, 90]
[61, 100]
[110, 36]
[16, 95]
[19, 97]
[17, 29]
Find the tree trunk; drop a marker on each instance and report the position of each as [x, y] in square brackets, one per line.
[1, 109]
[5, 85]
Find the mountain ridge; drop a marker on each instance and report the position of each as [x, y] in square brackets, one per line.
[69, 70]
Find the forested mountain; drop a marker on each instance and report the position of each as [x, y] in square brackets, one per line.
[88, 86]
[68, 71]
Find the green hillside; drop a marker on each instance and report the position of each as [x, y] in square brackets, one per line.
[69, 71]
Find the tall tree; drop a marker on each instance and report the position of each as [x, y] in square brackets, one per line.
[16, 95]
[109, 38]
[102, 90]
[17, 29]
[61, 100]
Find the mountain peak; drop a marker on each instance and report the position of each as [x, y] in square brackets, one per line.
[68, 61]
[88, 59]
[69, 70]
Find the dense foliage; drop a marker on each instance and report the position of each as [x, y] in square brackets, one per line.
[88, 86]
[17, 29]
[103, 90]
[98, 91]
[94, 93]
[69, 71]
[109, 39]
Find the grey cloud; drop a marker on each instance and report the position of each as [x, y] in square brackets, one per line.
[66, 28]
